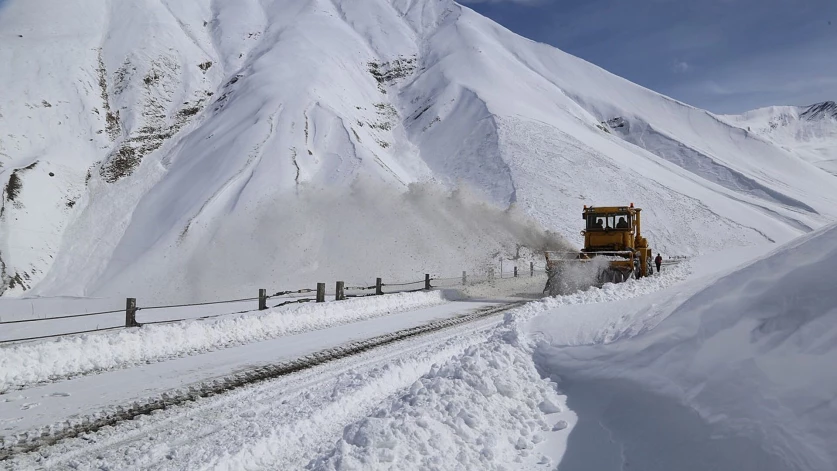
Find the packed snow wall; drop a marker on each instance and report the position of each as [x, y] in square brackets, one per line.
[738, 376]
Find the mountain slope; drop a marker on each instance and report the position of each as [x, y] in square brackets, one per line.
[191, 142]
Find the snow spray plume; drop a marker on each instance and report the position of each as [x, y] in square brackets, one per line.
[571, 275]
[353, 234]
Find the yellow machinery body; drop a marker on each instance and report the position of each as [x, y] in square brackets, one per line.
[612, 234]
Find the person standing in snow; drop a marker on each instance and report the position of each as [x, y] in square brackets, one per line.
[658, 261]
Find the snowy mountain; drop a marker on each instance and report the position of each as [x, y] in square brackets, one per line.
[198, 148]
[807, 131]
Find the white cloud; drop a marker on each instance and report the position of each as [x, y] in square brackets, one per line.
[681, 67]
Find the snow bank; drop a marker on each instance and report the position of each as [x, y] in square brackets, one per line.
[21, 365]
[311, 421]
[742, 370]
[486, 409]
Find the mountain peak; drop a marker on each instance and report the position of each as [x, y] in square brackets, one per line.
[826, 109]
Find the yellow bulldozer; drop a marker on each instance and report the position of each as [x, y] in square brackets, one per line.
[614, 251]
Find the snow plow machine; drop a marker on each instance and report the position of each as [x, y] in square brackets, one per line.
[614, 251]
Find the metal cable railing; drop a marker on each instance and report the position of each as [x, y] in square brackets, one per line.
[69, 316]
[41, 337]
[207, 303]
[131, 310]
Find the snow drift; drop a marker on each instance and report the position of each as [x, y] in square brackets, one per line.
[738, 376]
[485, 409]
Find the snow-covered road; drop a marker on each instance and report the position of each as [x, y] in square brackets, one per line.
[29, 363]
[43, 405]
[279, 421]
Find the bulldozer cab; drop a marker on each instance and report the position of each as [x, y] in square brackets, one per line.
[612, 228]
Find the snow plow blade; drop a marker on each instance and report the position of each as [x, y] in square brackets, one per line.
[571, 272]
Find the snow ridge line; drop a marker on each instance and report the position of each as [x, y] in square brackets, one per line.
[47, 436]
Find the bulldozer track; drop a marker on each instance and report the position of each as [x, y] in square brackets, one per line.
[48, 436]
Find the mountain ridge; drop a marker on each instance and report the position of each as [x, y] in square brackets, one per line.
[826, 109]
[809, 131]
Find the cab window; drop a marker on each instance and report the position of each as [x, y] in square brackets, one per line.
[622, 221]
[599, 222]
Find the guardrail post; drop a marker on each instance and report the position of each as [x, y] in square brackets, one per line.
[427, 281]
[131, 312]
[531, 268]
[464, 278]
[379, 286]
[320, 292]
[338, 292]
[515, 271]
[262, 299]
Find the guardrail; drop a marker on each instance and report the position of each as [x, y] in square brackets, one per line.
[286, 297]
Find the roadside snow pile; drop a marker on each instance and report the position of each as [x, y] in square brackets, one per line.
[486, 409]
[742, 372]
[21, 365]
[609, 292]
[309, 421]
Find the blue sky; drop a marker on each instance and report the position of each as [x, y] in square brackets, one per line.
[726, 56]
